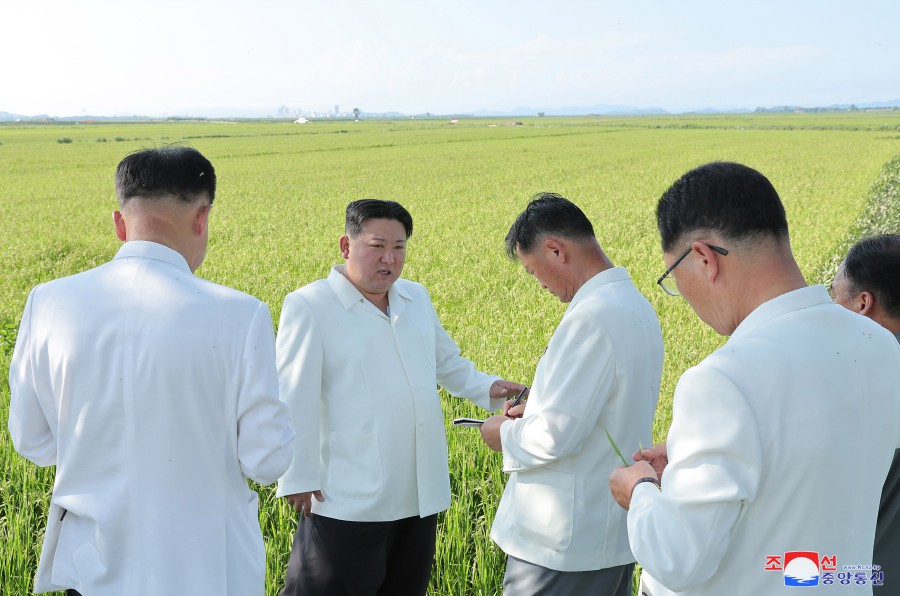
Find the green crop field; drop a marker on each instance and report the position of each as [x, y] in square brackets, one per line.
[279, 213]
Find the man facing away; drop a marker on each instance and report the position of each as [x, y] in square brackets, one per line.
[155, 395]
[600, 373]
[868, 282]
[781, 439]
[360, 355]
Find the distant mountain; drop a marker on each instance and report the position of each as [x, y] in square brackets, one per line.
[224, 112]
[894, 103]
[869, 105]
[386, 115]
[7, 117]
[621, 110]
[717, 111]
[600, 109]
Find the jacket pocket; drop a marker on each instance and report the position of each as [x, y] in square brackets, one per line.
[546, 510]
[354, 465]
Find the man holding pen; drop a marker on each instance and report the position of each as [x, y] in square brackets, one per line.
[557, 521]
[781, 439]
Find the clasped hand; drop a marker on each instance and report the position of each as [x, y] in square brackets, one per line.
[490, 429]
[650, 462]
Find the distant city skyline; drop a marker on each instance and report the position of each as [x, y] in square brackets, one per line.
[243, 58]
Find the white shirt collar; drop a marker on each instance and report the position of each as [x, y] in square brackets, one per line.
[604, 277]
[350, 296]
[144, 249]
[789, 302]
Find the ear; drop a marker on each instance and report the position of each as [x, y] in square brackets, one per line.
[344, 243]
[201, 219]
[864, 303]
[119, 224]
[558, 248]
[709, 261]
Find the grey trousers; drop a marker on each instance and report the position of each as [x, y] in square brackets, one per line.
[527, 579]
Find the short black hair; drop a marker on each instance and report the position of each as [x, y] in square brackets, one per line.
[172, 170]
[873, 265]
[360, 211]
[730, 198]
[547, 214]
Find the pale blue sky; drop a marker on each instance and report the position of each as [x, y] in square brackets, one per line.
[167, 57]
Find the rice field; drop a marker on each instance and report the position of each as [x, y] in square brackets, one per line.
[279, 212]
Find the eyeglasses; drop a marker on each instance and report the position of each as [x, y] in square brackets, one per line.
[667, 283]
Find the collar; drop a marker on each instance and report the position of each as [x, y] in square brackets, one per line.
[786, 303]
[350, 296]
[607, 276]
[144, 249]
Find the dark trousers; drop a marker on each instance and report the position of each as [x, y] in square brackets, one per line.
[528, 579]
[341, 558]
[71, 592]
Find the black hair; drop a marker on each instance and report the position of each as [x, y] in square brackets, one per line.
[172, 170]
[873, 265]
[360, 211]
[730, 198]
[547, 214]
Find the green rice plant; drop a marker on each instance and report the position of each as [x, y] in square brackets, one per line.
[279, 212]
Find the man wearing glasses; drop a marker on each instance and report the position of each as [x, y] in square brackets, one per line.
[781, 439]
[598, 378]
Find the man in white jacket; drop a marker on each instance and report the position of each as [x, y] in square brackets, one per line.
[781, 439]
[868, 282]
[155, 395]
[360, 356]
[556, 521]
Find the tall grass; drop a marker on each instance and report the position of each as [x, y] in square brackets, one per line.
[279, 213]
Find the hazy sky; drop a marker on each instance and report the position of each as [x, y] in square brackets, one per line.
[164, 57]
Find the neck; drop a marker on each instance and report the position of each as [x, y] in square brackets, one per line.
[762, 280]
[588, 262]
[160, 232]
[889, 323]
[380, 301]
[163, 222]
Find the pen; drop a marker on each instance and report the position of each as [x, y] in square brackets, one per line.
[519, 397]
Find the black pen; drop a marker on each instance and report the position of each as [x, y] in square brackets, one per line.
[519, 397]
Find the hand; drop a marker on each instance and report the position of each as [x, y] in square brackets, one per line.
[505, 389]
[302, 502]
[658, 456]
[622, 481]
[490, 431]
[515, 412]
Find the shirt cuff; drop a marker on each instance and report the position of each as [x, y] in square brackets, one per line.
[510, 463]
[644, 490]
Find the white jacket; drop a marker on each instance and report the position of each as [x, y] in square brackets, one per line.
[362, 392]
[155, 395]
[780, 441]
[602, 368]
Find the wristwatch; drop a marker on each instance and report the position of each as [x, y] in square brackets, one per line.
[652, 479]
